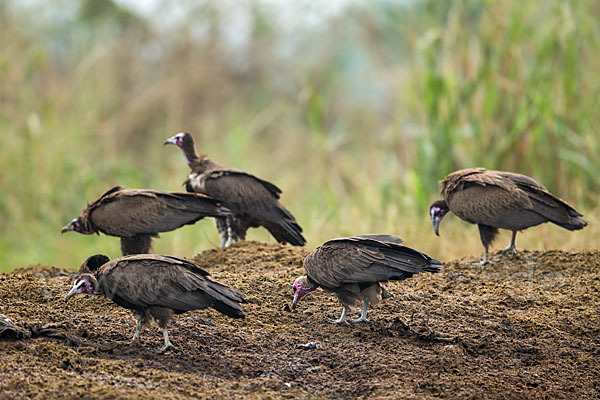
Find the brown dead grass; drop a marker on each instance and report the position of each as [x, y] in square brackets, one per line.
[521, 328]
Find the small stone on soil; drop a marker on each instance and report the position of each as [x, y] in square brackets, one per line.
[308, 346]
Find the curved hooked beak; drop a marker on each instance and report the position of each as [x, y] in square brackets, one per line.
[171, 140]
[67, 228]
[295, 302]
[436, 225]
[74, 290]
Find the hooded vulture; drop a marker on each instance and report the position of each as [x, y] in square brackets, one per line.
[497, 199]
[254, 202]
[137, 215]
[155, 286]
[353, 267]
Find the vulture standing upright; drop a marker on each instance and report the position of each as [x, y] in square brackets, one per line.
[497, 199]
[353, 267]
[253, 202]
[155, 286]
[137, 215]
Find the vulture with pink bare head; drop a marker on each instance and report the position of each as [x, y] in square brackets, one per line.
[155, 287]
[353, 268]
[498, 199]
[253, 201]
[138, 215]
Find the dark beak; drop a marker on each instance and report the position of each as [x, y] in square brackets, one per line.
[436, 225]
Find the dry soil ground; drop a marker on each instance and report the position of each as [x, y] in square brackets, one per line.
[526, 327]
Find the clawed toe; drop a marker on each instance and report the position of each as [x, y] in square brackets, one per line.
[165, 348]
[508, 249]
[337, 321]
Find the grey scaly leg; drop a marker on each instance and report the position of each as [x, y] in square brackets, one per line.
[341, 319]
[223, 228]
[167, 342]
[363, 316]
[138, 330]
[485, 260]
[225, 231]
[229, 236]
[512, 248]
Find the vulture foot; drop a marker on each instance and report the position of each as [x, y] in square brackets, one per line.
[165, 348]
[363, 315]
[486, 259]
[339, 320]
[167, 341]
[510, 249]
[135, 340]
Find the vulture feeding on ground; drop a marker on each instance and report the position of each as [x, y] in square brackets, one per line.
[353, 267]
[155, 286]
[497, 199]
[137, 215]
[254, 202]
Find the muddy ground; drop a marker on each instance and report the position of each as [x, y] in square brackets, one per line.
[527, 327]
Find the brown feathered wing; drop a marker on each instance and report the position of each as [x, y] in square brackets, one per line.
[505, 200]
[131, 212]
[364, 259]
[253, 200]
[142, 281]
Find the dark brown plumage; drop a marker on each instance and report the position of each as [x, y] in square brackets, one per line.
[353, 268]
[253, 201]
[137, 215]
[497, 199]
[155, 286]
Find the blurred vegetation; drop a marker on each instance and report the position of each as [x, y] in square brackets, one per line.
[355, 117]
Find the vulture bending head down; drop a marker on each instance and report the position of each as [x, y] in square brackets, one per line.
[155, 286]
[353, 268]
[497, 199]
[253, 201]
[138, 215]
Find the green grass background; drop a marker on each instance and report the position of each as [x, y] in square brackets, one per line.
[356, 118]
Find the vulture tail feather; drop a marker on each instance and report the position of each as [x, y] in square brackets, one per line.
[229, 310]
[433, 266]
[287, 232]
[226, 299]
[574, 224]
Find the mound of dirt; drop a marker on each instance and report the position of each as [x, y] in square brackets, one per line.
[526, 327]
[41, 270]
